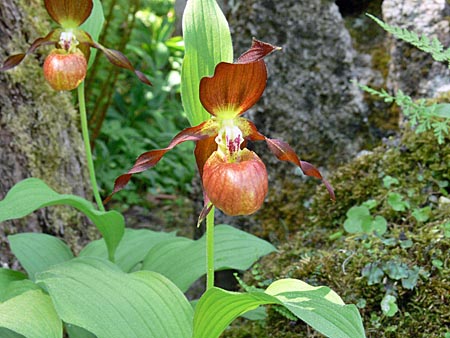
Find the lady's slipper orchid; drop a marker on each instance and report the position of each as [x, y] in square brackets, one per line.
[65, 68]
[234, 178]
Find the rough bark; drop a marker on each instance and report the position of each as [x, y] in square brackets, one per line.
[39, 134]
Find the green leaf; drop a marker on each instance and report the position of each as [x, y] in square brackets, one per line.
[388, 181]
[16, 288]
[389, 305]
[134, 246]
[207, 42]
[397, 202]
[77, 332]
[319, 307]
[5, 333]
[8, 276]
[422, 214]
[379, 225]
[93, 25]
[396, 270]
[373, 273]
[37, 252]
[183, 260]
[32, 315]
[358, 220]
[97, 296]
[31, 194]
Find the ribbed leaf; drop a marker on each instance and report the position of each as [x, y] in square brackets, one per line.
[31, 194]
[32, 315]
[183, 260]
[134, 246]
[77, 332]
[37, 252]
[319, 307]
[207, 42]
[96, 295]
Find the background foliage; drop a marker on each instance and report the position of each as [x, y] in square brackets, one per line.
[128, 118]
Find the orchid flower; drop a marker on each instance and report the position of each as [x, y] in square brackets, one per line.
[65, 67]
[234, 178]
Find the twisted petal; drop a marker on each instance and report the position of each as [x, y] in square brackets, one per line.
[69, 13]
[14, 60]
[284, 152]
[257, 52]
[149, 159]
[203, 150]
[113, 56]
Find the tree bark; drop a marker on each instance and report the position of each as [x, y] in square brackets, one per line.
[39, 133]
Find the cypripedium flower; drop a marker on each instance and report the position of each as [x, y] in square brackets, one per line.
[234, 178]
[65, 67]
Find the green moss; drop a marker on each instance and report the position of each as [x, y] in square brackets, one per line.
[421, 167]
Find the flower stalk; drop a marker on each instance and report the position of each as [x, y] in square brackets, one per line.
[87, 146]
[210, 249]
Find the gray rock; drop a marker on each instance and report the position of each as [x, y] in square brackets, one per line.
[411, 70]
[310, 101]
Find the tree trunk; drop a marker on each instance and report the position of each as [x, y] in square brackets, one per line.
[39, 134]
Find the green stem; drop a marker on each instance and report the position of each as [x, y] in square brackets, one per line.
[210, 249]
[87, 146]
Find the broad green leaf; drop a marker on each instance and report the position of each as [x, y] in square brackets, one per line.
[78, 332]
[134, 246]
[36, 252]
[319, 307]
[7, 276]
[5, 333]
[207, 42]
[183, 260]
[31, 194]
[32, 315]
[97, 296]
[16, 288]
[93, 25]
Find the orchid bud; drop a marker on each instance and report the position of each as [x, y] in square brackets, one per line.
[238, 187]
[63, 70]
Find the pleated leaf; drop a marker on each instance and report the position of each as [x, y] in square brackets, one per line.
[31, 194]
[319, 307]
[134, 246]
[97, 296]
[32, 315]
[207, 42]
[183, 260]
[36, 252]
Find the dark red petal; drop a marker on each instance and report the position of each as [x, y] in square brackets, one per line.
[69, 13]
[149, 159]
[257, 52]
[284, 152]
[203, 150]
[233, 89]
[16, 59]
[113, 56]
[205, 211]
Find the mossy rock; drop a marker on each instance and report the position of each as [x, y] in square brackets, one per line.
[410, 261]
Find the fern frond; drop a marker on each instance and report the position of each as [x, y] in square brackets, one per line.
[433, 46]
